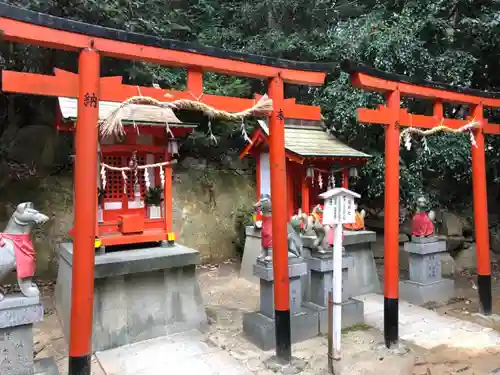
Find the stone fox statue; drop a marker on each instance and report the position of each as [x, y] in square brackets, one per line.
[313, 226]
[16, 248]
[293, 228]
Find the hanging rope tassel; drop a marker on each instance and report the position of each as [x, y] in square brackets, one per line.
[472, 139]
[103, 177]
[147, 182]
[162, 176]
[124, 176]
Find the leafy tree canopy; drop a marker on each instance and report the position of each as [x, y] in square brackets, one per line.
[452, 41]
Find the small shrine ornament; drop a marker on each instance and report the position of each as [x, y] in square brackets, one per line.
[331, 183]
[134, 167]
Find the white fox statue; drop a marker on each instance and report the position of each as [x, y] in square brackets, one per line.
[16, 248]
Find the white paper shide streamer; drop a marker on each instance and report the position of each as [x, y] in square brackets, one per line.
[135, 169]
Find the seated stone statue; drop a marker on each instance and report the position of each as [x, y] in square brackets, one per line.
[313, 226]
[359, 224]
[16, 249]
[422, 224]
[294, 228]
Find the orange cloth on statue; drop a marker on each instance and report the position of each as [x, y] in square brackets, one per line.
[421, 225]
[359, 223]
[318, 215]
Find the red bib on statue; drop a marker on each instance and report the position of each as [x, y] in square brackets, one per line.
[267, 231]
[24, 253]
[422, 225]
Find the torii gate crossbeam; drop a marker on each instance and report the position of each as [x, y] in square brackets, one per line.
[92, 42]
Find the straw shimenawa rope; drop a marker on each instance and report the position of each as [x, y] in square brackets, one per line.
[112, 125]
[406, 134]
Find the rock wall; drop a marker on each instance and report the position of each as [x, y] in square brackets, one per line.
[207, 195]
[201, 225]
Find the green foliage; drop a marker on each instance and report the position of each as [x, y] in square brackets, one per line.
[452, 41]
[242, 219]
[154, 196]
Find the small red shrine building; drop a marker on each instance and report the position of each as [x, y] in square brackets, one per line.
[315, 159]
[123, 215]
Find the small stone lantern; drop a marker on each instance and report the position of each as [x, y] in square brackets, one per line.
[339, 207]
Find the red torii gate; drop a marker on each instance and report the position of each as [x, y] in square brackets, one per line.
[92, 42]
[394, 86]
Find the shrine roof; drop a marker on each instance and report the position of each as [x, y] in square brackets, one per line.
[309, 139]
[134, 113]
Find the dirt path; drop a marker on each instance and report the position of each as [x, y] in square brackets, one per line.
[227, 297]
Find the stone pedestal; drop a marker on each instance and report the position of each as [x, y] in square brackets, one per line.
[321, 273]
[17, 316]
[253, 245]
[296, 269]
[426, 283]
[138, 294]
[363, 276]
[259, 326]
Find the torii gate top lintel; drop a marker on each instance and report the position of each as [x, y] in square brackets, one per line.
[371, 79]
[21, 25]
[384, 81]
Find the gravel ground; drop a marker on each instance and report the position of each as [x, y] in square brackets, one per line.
[227, 297]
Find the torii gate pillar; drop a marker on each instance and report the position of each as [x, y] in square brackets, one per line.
[479, 194]
[391, 221]
[82, 295]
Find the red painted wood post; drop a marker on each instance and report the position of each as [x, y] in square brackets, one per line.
[391, 222]
[167, 196]
[305, 191]
[257, 175]
[279, 220]
[345, 178]
[480, 199]
[290, 189]
[82, 295]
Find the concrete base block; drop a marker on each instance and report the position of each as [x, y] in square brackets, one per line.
[251, 251]
[296, 271]
[425, 246]
[17, 315]
[352, 314]
[261, 331]
[417, 293]
[363, 276]
[46, 366]
[138, 294]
